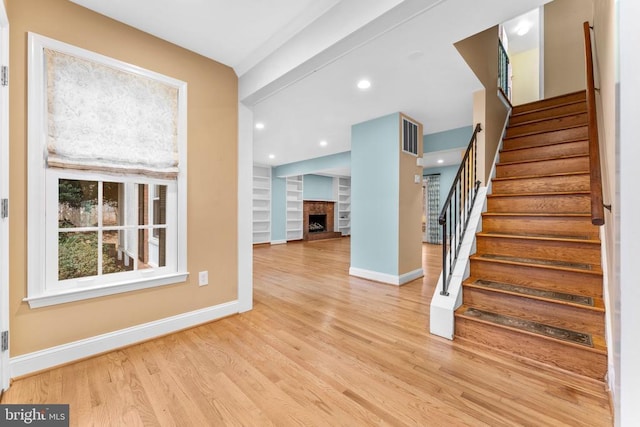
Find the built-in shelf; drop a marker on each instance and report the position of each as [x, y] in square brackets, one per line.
[261, 204]
[344, 205]
[294, 207]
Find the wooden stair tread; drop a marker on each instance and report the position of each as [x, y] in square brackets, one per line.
[551, 175]
[587, 302]
[541, 236]
[575, 339]
[539, 160]
[543, 104]
[541, 263]
[544, 119]
[546, 131]
[543, 145]
[556, 193]
[539, 214]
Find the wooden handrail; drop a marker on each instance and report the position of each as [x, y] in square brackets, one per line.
[597, 205]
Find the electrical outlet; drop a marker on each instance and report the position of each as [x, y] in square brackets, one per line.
[203, 278]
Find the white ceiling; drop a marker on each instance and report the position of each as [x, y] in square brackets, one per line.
[298, 61]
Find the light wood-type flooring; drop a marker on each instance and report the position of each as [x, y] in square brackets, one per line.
[320, 348]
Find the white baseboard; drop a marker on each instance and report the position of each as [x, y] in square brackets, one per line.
[412, 275]
[391, 279]
[62, 354]
[278, 242]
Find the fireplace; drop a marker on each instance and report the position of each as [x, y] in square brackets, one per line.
[318, 220]
[317, 223]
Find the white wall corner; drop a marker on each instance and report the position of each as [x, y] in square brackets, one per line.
[410, 276]
[609, 312]
[441, 314]
[245, 208]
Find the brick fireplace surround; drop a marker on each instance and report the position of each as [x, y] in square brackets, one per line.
[315, 207]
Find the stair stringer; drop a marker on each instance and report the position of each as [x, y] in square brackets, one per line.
[442, 308]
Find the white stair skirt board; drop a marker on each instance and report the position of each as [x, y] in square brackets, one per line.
[62, 354]
[441, 321]
[386, 278]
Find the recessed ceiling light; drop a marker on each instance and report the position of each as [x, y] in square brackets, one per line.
[259, 125]
[364, 84]
[272, 156]
[440, 161]
[523, 28]
[323, 143]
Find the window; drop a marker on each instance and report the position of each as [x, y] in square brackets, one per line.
[409, 137]
[107, 176]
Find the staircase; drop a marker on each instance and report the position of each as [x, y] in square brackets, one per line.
[535, 288]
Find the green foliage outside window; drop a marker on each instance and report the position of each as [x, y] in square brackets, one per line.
[78, 256]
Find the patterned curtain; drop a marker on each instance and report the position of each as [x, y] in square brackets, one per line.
[432, 201]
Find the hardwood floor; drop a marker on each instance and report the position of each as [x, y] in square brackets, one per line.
[319, 348]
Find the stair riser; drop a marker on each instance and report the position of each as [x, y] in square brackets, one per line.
[546, 184]
[572, 203]
[569, 358]
[562, 251]
[542, 167]
[560, 226]
[534, 153]
[548, 313]
[574, 108]
[537, 140]
[550, 102]
[549, 125]
[572, 282]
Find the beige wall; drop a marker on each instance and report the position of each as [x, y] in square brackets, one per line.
[410, 205]
[526, 76]
[564, 69]
[481, 54]
[212, 178]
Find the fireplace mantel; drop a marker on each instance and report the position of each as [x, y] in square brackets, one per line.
[318, 207]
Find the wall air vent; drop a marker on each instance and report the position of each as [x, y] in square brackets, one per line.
[409, 137]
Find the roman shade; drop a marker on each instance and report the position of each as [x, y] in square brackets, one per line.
[101, 118]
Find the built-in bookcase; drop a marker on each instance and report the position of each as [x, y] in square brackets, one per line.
[344, 205]
[294, 207]
[261, 204]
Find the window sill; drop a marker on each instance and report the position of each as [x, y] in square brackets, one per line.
[47, 299]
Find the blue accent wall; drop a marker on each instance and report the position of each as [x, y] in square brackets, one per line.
[375, 194]
[278, 208]
[317, 187]
[448, 139]
[304, 167]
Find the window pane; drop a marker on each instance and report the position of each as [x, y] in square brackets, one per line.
[160, 205]
[143, 204]
[77, 203]
[156, 247]
[77, 255]
[112, 199]
[114, 258]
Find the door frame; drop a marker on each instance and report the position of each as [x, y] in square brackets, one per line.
[4, 194]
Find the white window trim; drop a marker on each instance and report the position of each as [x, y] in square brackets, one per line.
[37, 293]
